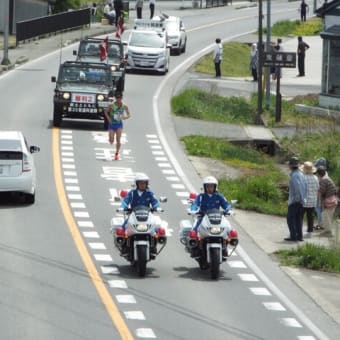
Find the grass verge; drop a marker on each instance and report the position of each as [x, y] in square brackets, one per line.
[311, 256]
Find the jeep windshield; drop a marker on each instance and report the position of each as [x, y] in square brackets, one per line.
[142, 39]
[92, 49]
[84, 74]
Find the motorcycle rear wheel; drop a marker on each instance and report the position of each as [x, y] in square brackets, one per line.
[215, 263]
[141, 261]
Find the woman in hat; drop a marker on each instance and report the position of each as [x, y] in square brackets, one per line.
[312, 195]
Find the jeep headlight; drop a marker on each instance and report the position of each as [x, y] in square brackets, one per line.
[113, 68]
[66, 95]
[100, 97]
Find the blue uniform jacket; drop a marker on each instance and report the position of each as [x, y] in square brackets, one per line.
[133, 199]
[204, 202]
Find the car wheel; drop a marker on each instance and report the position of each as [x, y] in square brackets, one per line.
[184, 47]
[30, 198]
[56, 118]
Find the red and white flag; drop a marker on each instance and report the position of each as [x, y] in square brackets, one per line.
[120, 28]
[104, 46]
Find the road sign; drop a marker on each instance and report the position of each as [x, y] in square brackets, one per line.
[279, 59]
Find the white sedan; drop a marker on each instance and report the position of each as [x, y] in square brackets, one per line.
[17, 170]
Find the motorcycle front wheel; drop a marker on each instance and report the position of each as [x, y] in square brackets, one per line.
[215, 263]
[141, 260]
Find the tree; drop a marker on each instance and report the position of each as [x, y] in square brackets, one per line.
[64, 5]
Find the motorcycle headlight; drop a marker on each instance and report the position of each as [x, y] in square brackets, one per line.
[142, 227]
[100, 97]
[113, 68]
[216, 230]
[66, 95]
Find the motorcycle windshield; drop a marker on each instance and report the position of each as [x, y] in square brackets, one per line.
[141, 213]
[214, 216]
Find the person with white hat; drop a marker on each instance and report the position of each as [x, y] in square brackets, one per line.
[310, 204]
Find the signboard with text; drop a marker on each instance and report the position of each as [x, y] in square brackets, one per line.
[279, 59]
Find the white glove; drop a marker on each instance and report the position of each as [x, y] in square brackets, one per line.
[159, 209]
[230, 212]
[193, 212]
[120, 209]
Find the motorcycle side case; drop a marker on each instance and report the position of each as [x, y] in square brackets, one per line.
[184, 228]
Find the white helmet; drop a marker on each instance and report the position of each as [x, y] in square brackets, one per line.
[210, 180]
[141, 178]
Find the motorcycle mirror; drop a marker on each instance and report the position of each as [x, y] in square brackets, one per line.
[163, 199]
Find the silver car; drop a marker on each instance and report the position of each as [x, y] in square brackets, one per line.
[17, 170]
[175, 29]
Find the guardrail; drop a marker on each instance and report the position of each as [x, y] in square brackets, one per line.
[29, 29]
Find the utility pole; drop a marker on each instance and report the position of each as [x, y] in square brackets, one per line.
[259, 83]
[268, 48]
[5, 60]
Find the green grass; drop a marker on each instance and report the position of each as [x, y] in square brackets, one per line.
[198, 104]
[232, 51]
[312, 257]
[285, 28]
[258, 187]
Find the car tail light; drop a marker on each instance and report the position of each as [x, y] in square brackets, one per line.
[26, 166]
[120, 232]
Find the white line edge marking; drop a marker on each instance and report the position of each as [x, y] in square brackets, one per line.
[186, 64]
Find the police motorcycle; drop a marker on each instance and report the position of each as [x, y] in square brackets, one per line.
[214, 241]
[143, 237]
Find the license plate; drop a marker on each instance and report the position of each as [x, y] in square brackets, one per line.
[103, 104]
[144, 63]
[83, 98]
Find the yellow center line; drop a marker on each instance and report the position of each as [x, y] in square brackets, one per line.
[97, 281]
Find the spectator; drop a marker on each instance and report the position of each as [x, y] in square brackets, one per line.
[301, 52]
[139, 8]
[118, 6]
[303, 10]
[217, 56]
[253, 64]
[93, 12]
[109, 13]
[296, 200]
[152, 4]
[312, 195]
[329, 200]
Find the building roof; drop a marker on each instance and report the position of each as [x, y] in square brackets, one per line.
[332, 32]
[327, 7]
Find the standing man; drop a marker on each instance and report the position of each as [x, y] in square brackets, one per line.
[152, 7]
[118, 6]
[303, 10]
[301, 52]
[217, 55]
[296, 199]
[139, 8]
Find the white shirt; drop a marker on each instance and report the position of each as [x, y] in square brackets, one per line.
[218, 50]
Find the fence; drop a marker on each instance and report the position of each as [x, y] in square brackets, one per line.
[29, 29]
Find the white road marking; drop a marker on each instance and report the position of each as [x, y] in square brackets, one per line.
[67, 154]
[71, 180]
[158, 153]
[97, 245]
[79, 205]
[125, 298]
[66, 136]
[64, 147]
[153, 141]
[156, 147]
[117, 284]
[306, 337]
[236, 264]
[66, 132]
[109, 270]
[151, 136]
[164, 165]
[72, 188]
[168, 172]
[182, 194]
[112, 173]
[103, 257]
[84, 214]
[145, 333]
[75, 196]
[70, 173]
[68, 166]
[90, 234]
[177, 186]
[260, 291]
[66, 142]
[67, 160]
[134, 315]
[291, 322]
[172, 178]
[85, 224]
[161, 159]
[275, 306]
[248, 277]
